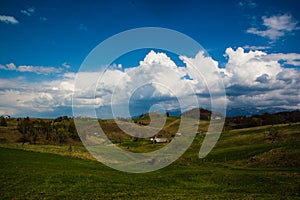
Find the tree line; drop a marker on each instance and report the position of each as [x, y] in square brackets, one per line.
[263, 119]
[57, 131]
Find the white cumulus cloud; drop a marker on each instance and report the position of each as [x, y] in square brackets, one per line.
[256, 78]
[8, 19]
[251, 79]
[275, 26]
[157, 79]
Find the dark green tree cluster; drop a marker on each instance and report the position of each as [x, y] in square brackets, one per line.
[3, 121]
[26, 128]
[57, 131]
[263, 119]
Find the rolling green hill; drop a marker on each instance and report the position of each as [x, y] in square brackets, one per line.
[248, 163]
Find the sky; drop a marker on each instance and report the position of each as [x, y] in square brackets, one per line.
[253, 45]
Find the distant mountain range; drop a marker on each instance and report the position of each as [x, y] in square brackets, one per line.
[248, 111]
[242, 121]
[234, 112]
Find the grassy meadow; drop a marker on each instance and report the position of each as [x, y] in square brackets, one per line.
[245, 164]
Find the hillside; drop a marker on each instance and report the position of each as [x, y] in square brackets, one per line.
[245, 164]
[62, 130]
[254, 146]
[262, 119]
[260, 162]
[198, 113]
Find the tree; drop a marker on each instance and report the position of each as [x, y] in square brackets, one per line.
[272, 134]
[34, 136]
[61, 119]
[3, 122]
[28, 131]
[61, 136]
[72, 131]
[23, 127]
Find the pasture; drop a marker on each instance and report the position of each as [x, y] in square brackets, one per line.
[243, 165]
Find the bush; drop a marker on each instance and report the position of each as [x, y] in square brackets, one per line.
[3, 122]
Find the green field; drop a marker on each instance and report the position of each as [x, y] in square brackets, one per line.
[31, 175]
[243, 165]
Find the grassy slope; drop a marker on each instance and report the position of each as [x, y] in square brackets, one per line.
[36, 175]
[243, 165]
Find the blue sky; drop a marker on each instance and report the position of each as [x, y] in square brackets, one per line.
[43, 44]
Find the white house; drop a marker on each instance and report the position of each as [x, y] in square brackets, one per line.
[198, 133]
[217, 118]
[159, 140]
[178, 134]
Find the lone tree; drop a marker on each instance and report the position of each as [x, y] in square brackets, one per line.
[168, 114]
[273, 134]
[3, 122]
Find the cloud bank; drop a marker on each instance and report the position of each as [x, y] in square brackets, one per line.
[32, 69]
[251, 79]
[258, 79]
